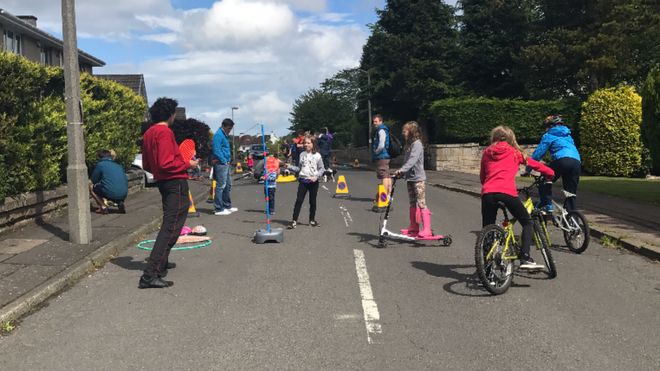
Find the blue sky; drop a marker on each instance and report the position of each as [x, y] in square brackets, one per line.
[259, 55]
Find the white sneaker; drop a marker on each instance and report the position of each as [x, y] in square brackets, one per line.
[233, 209]
[223, 212]
[530, 264]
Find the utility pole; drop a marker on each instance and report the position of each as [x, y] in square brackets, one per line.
[80, 224]
[368, 100]
[233, 131]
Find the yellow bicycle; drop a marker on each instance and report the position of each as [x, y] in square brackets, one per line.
[497, 248]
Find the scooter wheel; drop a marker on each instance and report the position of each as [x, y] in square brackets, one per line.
[446, 241]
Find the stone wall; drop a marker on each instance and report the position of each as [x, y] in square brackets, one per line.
[26, 208]
[363, 155]
[465, 158]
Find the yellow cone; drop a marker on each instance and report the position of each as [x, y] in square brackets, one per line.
[212, 192]
[382, 200]
[192, 211]
[342, 187]
[239, 168]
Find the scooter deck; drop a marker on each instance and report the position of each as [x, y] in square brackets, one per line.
[429, 238]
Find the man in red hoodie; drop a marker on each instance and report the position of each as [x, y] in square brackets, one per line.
[500, 164]
[161, 157]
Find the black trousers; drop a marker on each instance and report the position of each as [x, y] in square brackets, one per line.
[174, 196]
[303, 188]
[516, 208]
[569, 170]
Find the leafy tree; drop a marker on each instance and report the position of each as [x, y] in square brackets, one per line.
[411, 56]
[492, 33]
[196, 130]
[651, 116]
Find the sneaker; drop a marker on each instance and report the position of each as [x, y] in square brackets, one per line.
[548, 209]
[233, 209]
[223, 212]
[292, 225]
[314, 223]
[122, 208]
[529, 263]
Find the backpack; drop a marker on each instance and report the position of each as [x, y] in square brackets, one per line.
[395, 149]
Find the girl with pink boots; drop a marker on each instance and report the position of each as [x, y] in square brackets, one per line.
[413, 171]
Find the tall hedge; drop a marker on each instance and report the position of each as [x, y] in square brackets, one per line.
[463, 120]
[651, 116]
[33, 143]
[610, 132]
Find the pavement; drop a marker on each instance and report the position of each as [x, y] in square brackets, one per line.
[326, 299]
[630, 224]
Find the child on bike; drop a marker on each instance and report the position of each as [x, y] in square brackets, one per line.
[309, 171]
[565, 161]
[413, 171]
[499, 166]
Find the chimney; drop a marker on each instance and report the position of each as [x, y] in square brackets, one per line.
[29, 19]
[180, 114]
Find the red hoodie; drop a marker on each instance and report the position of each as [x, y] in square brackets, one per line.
[161, 155]
[499, 166]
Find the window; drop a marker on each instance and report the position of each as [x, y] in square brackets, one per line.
[46, 57]
[12, 42]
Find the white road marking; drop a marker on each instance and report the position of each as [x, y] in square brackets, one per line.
[347, 216]
[369, 306]
[326, 188]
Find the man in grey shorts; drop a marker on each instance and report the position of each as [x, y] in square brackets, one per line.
[381, 157]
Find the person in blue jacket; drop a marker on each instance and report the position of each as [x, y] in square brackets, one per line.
[565, 160]
[379, 146]
[221, 160]
[108, 182]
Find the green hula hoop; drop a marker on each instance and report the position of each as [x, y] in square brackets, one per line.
[142, 245]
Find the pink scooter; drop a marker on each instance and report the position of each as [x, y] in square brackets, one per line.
[444, 240]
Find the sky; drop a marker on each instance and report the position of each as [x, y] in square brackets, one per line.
[257, 55]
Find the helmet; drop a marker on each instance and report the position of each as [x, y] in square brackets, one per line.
[553, 120]
[199, 230]
[185, 230]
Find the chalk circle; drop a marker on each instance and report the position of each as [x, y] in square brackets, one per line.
[148, 245]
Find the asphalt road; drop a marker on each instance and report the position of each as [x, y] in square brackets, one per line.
[327, 299]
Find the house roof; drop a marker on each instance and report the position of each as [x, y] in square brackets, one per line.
[45, 37]
[134, 82]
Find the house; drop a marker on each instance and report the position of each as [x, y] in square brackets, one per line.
[134, 82]
[20, 35]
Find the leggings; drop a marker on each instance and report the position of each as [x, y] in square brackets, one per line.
[515, 206]
[303, 188]
[569, 170]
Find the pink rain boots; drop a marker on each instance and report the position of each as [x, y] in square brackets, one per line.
[413, 228]
[426, 224]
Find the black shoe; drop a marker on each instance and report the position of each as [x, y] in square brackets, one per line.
[147, 282]
[170, 265]
[314, 223]
[292, 225]
[122, 208]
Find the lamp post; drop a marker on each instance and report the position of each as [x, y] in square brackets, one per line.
[233, 131]
[368, 100]
[80, 224]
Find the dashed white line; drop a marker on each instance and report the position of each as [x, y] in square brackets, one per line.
[347, 216]
[369, 306]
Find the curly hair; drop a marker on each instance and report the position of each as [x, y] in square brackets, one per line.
[414, 132]
[162, 109]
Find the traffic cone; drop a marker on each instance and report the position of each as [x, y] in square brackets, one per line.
[382, 200]
[212, 192]
[342, 188]
[192, 211]
[239, 168]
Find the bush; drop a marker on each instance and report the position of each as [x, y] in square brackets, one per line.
[651, 117]
[463, 120]
[33, 140]
[610, 135]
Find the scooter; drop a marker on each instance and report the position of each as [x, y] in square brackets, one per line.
[444, 240]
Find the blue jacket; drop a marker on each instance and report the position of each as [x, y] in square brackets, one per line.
[383, 154]
[112, 178]
[559, 142]
[325, 144]
[221, 148]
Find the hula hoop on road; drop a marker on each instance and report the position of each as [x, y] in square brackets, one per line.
[148, 245]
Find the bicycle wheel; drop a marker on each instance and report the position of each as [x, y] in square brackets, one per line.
[577, 239]
[495, 271]
[543, 245]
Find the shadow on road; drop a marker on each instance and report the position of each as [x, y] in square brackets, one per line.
[372, 240]
[128, 263]
[464, 284]
[361, 199]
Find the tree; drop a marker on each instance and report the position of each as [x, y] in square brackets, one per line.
[651, 116]
[412, 56]
[317, 109]
[492, 33]
[196, 130]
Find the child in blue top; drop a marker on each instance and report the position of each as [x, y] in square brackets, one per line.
[565, 160]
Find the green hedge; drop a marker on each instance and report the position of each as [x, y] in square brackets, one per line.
[651, 116]
[463, 120]
[611, 141]
[33, 141]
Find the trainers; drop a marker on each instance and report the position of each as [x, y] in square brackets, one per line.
[223, 212]
[549, 208]
[233, 209]
[292, 225]
[122, 208]
[314, 223]
[529, 263]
